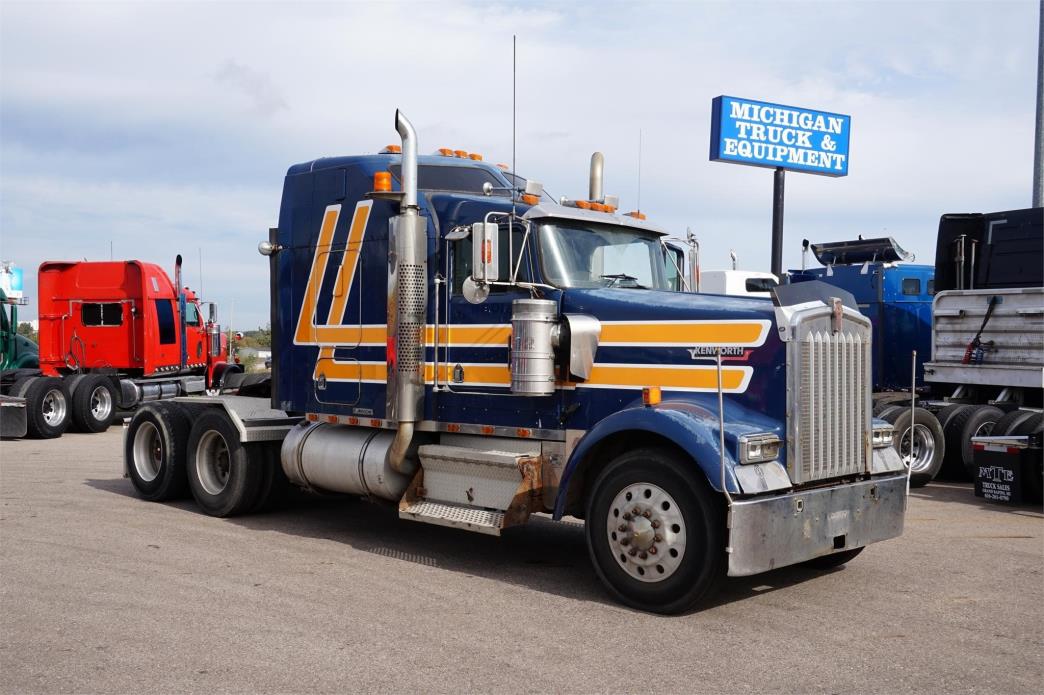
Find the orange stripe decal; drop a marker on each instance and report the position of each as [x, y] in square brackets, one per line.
[690, 333]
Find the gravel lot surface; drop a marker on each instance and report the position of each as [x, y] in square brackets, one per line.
[103, 592]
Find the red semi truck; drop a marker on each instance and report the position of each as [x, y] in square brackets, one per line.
[115, 334]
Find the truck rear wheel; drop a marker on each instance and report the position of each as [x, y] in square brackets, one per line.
[94, 403]
[924, 454]
[223, 479]
[976, 421]
[46, 405]
[953, 465]
[655, 531]
[275, 487]
[154, 451]
[1034, 424]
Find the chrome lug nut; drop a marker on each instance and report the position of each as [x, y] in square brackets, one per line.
[622, 527]
[643, 555]
[653, 550]
[656, 523]
[637, 511]
[632, 552]
[646, 513]
[627, 517]
[626, 540]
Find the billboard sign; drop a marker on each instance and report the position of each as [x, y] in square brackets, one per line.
[11, 280]
[761, 134]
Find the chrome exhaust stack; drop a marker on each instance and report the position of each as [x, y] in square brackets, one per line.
[407, 304]
[595, 191]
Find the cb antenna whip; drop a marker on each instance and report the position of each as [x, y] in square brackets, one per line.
[639, 207]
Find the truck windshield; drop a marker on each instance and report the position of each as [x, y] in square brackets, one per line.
[575, 254]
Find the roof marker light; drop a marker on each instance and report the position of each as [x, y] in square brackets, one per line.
[582, 204]
[462, 154]
[446, 151]
[476, 156]
[530, 199]
[392, 149]
[636, 215]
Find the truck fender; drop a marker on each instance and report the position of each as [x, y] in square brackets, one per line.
[691, 428]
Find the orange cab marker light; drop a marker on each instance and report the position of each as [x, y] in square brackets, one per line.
[636, 215]
[598, 207]
[476, 156]
[313, 417]
[530, 199]
[463, 154]
[651, 395]
[452, 428]
[583, 204]
[375, 423]
[523, 432]
[487, 429]
[392, 149]
[353, 421]
[382, 181]
[332, 419]
[610, 208]
[505, 167]
[445, 152]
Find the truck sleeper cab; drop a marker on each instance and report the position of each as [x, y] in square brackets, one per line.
[476, 358]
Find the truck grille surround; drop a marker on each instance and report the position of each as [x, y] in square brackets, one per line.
[828, 387]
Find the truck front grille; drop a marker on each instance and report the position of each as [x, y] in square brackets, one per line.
[832, 383]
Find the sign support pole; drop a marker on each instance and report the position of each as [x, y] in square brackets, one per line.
[777, 221]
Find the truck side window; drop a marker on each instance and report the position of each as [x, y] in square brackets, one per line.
[912, 286]
[101, 314]
[191, 314]
[462, 259]
[165, 319]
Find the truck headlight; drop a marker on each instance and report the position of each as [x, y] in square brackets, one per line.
[756, 448]
[882, 436]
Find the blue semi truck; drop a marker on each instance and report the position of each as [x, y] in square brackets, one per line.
[450, 341]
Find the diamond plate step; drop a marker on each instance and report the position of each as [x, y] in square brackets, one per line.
[455, 515]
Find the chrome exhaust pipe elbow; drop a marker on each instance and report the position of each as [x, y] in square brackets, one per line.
[409, 160]
[595, 189]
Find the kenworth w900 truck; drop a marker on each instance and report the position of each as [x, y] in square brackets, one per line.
[475, 353]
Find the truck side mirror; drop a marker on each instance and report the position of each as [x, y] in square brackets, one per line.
[485, 252]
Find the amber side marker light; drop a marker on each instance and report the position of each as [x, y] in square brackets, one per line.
[392, 149]
[651, 395]
[530, 199]
[382, 181]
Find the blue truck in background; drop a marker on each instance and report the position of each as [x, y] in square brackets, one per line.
[897, 298]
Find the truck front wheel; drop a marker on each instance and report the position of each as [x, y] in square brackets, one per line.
[94, 403]
[154, 451]
[655, 531]
[223, 479]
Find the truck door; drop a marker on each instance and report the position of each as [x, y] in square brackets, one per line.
[195, 338]
[474, 351]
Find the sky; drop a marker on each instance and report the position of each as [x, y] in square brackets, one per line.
[158, 128]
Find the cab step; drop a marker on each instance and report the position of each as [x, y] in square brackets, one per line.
[481, 490]
[456, 515]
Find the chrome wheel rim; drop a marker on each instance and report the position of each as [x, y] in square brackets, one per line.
[148, 452]
[923, 453]
[53, 407]
[213, 462]
[984, 430]
[101, 403]
[646, 532]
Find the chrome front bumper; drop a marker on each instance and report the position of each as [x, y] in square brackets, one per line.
[773, 532]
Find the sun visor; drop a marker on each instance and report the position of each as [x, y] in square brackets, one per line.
[883, 250]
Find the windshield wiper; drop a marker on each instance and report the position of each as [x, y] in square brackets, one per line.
[618, 277]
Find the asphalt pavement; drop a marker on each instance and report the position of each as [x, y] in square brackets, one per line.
[103, 592]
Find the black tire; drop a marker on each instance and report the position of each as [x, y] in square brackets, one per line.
[275, 486]
[94, 403]
[1033, 490]
[1007, 424]
[829, 562]
[47, 405]
[691, 576]
[880, 407]
[223, 479]
[975, 421]
[929, 442]
[884, 412]
[154, 451]
[953, 464]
